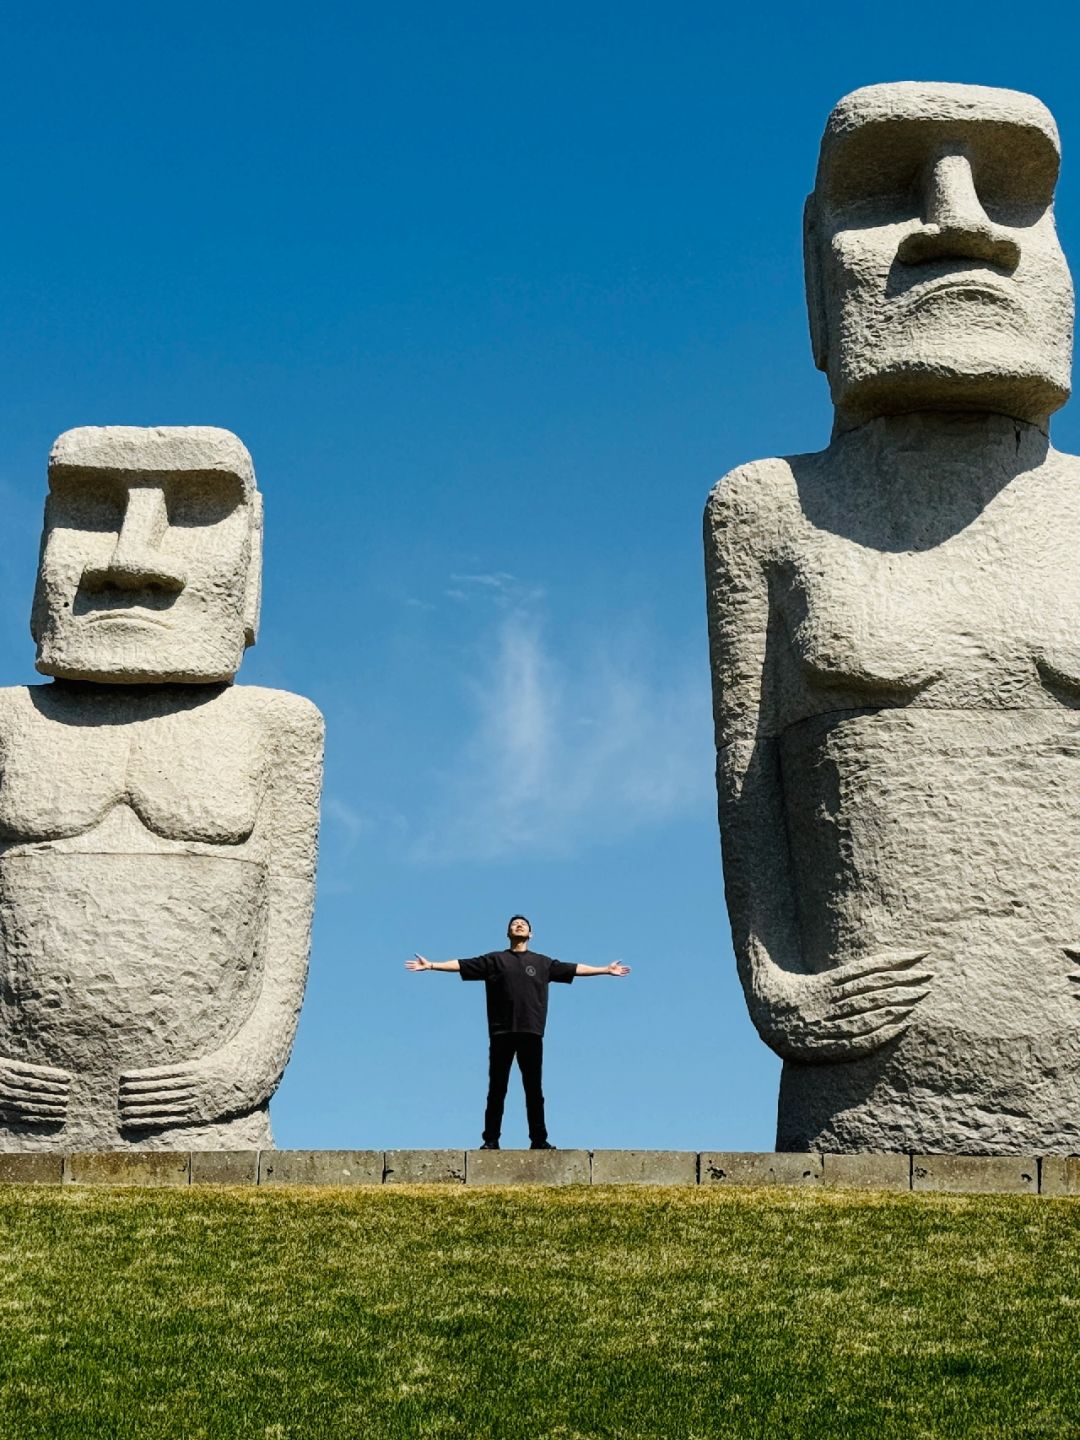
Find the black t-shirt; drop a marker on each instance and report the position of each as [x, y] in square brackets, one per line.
[517, 987]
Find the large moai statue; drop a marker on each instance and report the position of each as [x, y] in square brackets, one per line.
[895, 634]
[157, 823]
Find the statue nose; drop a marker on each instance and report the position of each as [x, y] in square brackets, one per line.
[954, 223]
[137, 561]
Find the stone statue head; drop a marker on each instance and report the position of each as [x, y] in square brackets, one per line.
[935, 279]
[151, 556]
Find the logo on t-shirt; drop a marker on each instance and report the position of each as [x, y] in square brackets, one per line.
[530, 970]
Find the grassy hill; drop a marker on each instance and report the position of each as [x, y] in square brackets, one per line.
[561, 1313]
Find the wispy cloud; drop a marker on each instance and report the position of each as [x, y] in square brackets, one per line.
[570, 744]
[496, 586]
[352, 824]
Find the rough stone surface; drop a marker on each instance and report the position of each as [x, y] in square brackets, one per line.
[976, 1174]
[225, 1167]
[896, 672]
[867, 1172]
[644, 1167]
[425, 1167]
[157, 842]
[1059, 1175]
[22, 1169]
[527, 1167]
[127, 1167]
[733, 1167]
[321, 1167]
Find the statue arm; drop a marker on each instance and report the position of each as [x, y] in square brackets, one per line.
[246, 1070]
[855, 1008]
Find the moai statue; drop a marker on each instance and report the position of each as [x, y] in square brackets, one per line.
[895, 633]
[157, 823]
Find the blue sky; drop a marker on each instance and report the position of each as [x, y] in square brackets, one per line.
[493, 294]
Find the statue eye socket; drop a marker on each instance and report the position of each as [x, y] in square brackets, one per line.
[1018, 198]
[95, 504]
[193, 501]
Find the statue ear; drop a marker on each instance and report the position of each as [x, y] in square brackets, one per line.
[815, 288]
[253, 588]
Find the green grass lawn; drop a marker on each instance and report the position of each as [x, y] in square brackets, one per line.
[493, 1315]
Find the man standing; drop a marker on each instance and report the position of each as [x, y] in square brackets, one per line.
[517, 996]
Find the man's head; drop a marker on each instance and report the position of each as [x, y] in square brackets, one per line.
[151, 557]
[935, 279]
[518, 928]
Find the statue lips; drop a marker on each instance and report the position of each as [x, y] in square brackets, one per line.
[130, 617]
[979, 287]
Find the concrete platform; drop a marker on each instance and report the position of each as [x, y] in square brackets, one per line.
[527, 1167]
[1053, 1175]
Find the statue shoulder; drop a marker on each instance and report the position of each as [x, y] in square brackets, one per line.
[17, 704]
[749, 508]
[1066, 463]
[281, 713]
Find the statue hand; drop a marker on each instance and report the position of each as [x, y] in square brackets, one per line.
[33, 1094]
[160, 1096]
[839, 1014]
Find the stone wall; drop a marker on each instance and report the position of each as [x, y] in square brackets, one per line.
[971, 1174]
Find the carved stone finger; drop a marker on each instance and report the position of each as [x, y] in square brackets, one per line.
[32, 1085]
[865, 1044]
[18, 1094]
[12, 1084]
[157, 1115]
[35, 1072]
[856, 969]
[157, 1102]
[158, 1120]
[875, 1005]
[147, 1114]
[13, 1101]
[48, 1113]
[872, 984]
[160, 1085]
[864, 1024]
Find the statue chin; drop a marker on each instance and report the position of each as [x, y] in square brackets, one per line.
[1030, 391]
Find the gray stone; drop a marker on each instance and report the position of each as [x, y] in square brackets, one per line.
[1059, 1175]
[896, 674]
[644, 1167]
[321, 1167]
[527, 1167]
[734, 1167]
[424, 1167]
[31, 1169]
[867, 1172]
[225, 1167]
[976, 1174]
[127, 1167]
[157, 858]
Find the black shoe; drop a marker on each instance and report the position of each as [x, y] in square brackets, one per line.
[542, 1145]
[490, 1145]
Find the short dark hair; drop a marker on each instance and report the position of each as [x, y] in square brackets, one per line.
[519, 917]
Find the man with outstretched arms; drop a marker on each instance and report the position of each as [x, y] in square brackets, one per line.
[517, 983]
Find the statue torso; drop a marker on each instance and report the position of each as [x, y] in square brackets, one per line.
[982, 612]
[132, 877]
[924, 687]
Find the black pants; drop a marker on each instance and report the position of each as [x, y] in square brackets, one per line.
[529, 1050]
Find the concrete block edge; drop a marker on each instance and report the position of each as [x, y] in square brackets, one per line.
[876, 1171]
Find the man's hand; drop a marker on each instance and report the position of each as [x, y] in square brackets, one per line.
[33, 1094]
[616, 968]
[419, 962]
